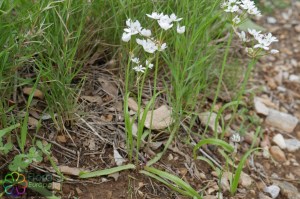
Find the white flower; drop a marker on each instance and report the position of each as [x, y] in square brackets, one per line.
[139, 68]
[242, 36]
[231, 6]
[173, 17]
[133, 27]
[180, 30]
[162, 47]
[165, 22]
[264, 41]
[140, 41]
[274, 51]
[135, 60]
[250, 7]
[155, 15]
[235, 137]
[148, 45]
[126, 37]
[236, 20]
[146, 33]
[148, 64]
[256, 34]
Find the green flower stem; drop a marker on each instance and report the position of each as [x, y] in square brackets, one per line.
[220, 80]
[242, 90]
[139, 136]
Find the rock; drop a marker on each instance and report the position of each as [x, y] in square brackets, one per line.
[297, 172]
[294, 78]
[273, 190]
[260, 107]
[211, 123]
[263, 196]
[56, 186]
[298, 134]
[297, 28]
[277, 154]
[292, 144]
[245, 180]
[36, 92]
[161, 119]
[288, 190]
[282, 121]
[271, 20]
[279, 140]
[250, 138]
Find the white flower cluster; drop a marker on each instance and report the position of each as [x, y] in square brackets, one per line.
[262, 42]
[139, 67]
[150, 44]
[241, 7]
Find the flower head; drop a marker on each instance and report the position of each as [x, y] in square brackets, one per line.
[126, 37]
[133, 27]
[139, 68]
[155, 15]
[236, 20]
[146, 32]
[165, 22]
[135, 60]
[180, 30]
[173, 17]
[148, 64]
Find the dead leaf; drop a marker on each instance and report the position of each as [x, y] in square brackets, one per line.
[115, 175]
[106, 118]
[119, 160]
[32, 122]
[109, 87]
[92, 144]
[162, 118]
[70, 170]
[93, 99]
[37, 93]
[132, 104]
[61, 138]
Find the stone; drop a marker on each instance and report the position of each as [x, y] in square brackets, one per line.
[204, 118]
[263, 196]
[297, 28]
[294, 78]
[282, 121]
[271, 20]
[250, 138]
[279, 140]
[260, 107]
[245, 180]
[298, 134]
[296, 172]
[273, 190]
[292, 145]
[277, 154]
[56, 186]
[288, 190]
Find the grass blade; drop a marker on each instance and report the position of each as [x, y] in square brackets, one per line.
[106, 171]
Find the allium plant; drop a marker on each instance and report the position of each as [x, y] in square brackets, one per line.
[144, 47]
[255, 42]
